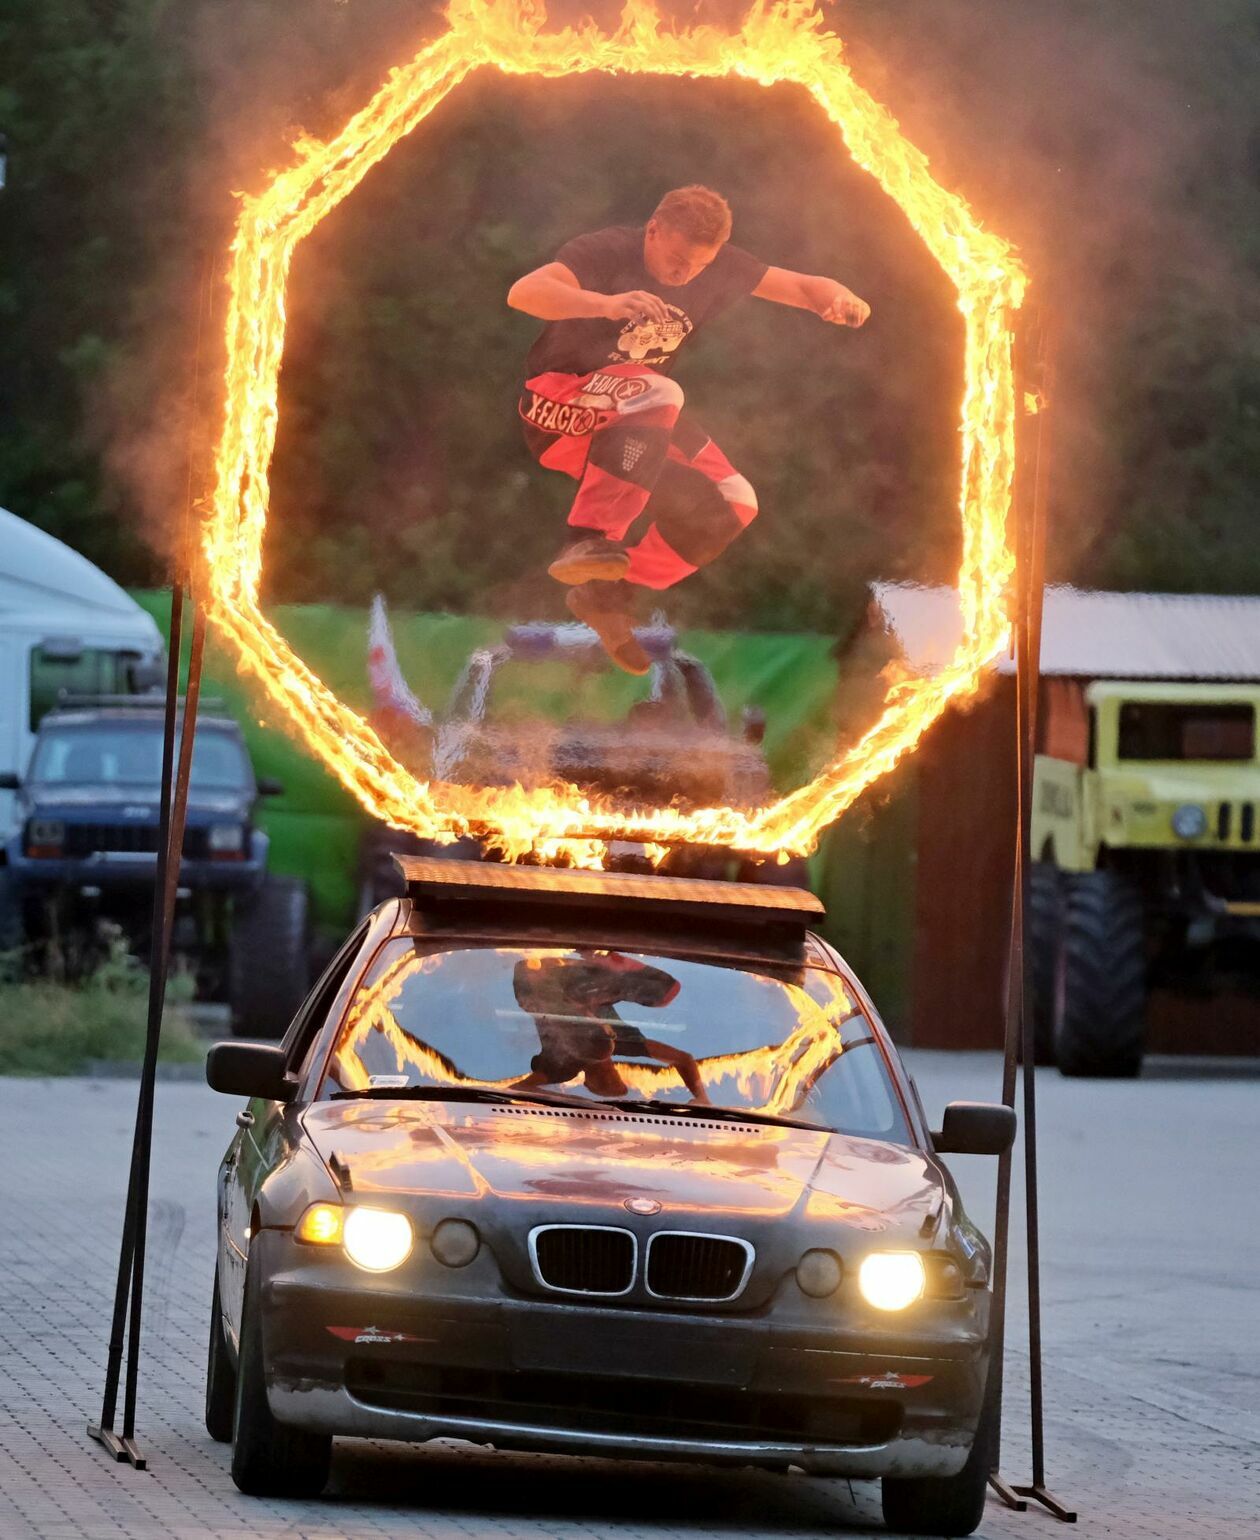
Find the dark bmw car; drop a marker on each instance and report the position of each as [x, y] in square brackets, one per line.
[620, 1165]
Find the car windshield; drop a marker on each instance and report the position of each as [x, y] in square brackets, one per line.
[587, 1024]
[130, 754]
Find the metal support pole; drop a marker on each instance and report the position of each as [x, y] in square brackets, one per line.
[129, 1287]
[1033, 383]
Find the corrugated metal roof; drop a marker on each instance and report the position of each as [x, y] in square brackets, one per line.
[1094, 634]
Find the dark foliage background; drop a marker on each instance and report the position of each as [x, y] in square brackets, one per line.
[1118, 145]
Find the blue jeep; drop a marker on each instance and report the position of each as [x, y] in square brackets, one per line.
[83, 855]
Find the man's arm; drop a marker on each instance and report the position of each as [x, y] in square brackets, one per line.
[552, 293]
[687, 1068]
[824, 296]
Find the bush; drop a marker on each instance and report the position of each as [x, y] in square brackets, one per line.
[52, 1029]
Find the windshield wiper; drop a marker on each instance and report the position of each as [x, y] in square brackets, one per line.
[715, 1114]
[458, 1093]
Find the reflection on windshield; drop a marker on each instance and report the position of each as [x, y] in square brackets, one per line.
[600, 1023]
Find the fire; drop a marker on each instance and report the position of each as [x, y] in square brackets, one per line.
[784, 42]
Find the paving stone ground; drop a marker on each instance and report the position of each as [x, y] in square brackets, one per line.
[1151, 1235]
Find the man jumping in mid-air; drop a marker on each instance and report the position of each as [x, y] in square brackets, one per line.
[598, 403]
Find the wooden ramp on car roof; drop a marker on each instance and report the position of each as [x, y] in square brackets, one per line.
[436, 885]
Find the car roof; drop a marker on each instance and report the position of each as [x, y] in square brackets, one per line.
[70, 716]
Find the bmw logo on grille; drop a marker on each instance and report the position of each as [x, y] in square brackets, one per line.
[644, 1206]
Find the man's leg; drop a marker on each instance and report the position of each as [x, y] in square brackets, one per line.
[699, 505]
[614, 434]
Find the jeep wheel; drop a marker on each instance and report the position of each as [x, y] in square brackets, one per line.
[269, 1458]
[1102, 1029]
[220, 1375]
[12, 930]
[269, 958]
[945, 1505]
[1047, 958]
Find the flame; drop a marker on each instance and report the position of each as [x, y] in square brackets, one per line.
[783, 42]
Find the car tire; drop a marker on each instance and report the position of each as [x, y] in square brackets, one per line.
[1102, 1030]
[12, 928]
[946, 1505]
[1047, 956]
[269, 958]
[269, 1458]
[220, 1375]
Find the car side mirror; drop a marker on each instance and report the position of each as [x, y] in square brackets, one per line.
[270, 786]
[975, 1128]
[9, 780]
[249, 1069]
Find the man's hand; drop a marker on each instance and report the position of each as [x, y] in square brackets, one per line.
[839, 305]
[635, 305]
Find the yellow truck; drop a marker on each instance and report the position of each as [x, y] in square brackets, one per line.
[1146, 837]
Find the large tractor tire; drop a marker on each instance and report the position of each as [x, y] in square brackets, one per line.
[269, 958]
[1102, 1029]
[1047, 954]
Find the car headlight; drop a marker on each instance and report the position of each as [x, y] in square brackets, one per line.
[1189, 821]
[455, 1243]
[376, 1239]
[321, 1225]
[892, 1280]
[819, 1273]
[225, 838]
[45, 833]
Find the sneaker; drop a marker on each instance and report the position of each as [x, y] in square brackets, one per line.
[593, 559]
[612, 622]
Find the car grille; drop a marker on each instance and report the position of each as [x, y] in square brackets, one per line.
[584, 1259]
[1246, 821]
[685, 1266]
[86, 839]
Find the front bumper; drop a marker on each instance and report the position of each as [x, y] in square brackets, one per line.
[108, 870]
[358, 1359]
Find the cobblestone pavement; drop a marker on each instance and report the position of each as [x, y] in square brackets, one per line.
[1152, 1327]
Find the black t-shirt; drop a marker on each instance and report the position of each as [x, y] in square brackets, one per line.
[611, 262]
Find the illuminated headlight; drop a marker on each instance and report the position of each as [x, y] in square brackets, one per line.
[225, 838]
[891, 1280]
[1189, 822]
[45, 831]
[376, 1239]
[819, 1273]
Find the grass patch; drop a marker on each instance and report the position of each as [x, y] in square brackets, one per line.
[52, 1029]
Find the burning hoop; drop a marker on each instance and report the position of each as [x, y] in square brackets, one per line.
[787, 42]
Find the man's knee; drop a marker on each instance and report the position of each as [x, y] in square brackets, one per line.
[659, 392]
[737, 491]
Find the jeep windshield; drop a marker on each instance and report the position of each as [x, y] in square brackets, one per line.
[583, 1025]
[130, 754]
[1167, 730]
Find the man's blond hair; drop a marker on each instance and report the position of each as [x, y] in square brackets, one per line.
[699, 213]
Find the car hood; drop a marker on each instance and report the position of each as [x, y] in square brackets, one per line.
[73, 799]
[604, 1158]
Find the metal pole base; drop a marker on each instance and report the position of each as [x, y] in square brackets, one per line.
[121, 1448]
[1009, 1494]
[1049, 1502]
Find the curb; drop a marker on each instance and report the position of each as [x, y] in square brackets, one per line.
[129, 1069]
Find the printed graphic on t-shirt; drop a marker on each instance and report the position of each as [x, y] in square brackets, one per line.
[651, 342]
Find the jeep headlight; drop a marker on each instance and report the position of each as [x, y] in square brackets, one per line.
[1190, 821]
[45, 834]
[376, 1239]
[225, 838]
[892, 1280]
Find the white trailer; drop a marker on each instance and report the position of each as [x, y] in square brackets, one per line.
[64, 628]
